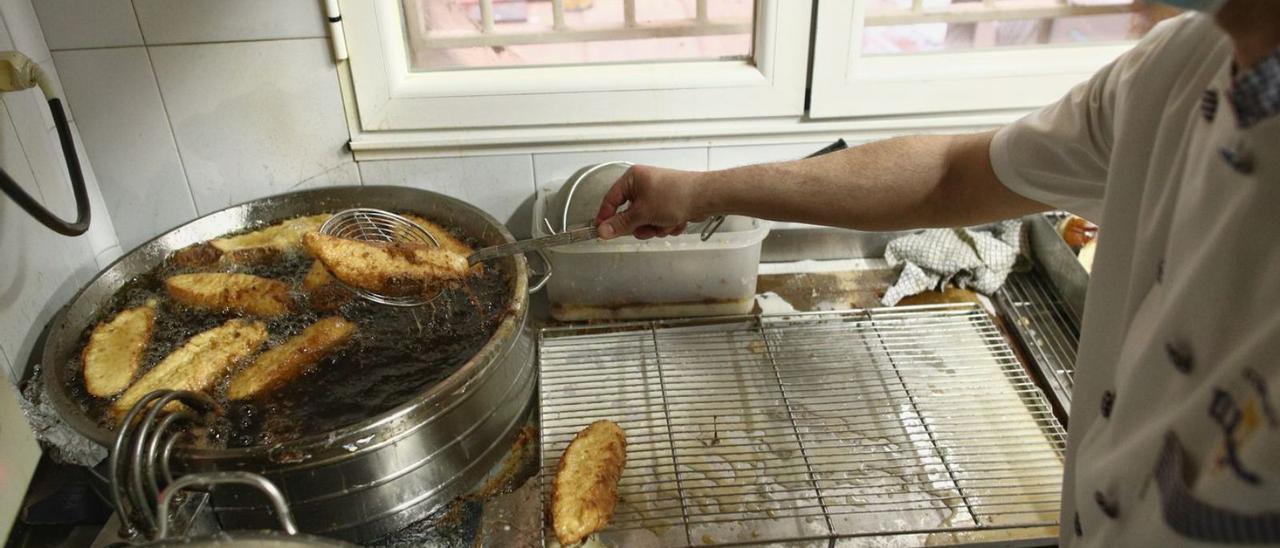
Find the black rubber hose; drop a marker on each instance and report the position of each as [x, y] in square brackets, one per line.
[33, 207]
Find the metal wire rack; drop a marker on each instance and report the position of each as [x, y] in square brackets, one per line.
[913, 425]
[1048, 329]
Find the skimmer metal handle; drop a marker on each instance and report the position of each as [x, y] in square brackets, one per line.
[535, 244]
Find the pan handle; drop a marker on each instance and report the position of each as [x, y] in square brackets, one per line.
[209, 479]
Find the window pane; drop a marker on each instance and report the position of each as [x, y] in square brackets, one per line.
[449, 34]
[970, 24]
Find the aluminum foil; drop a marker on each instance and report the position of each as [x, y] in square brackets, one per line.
[59, 441]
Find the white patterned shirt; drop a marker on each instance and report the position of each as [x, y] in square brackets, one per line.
[1174, 434]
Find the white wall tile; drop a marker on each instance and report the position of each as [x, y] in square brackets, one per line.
[80, 24]
[128, 140]
[41, 269]
[12, 158]
[24, 108]
[45, 163]
[24, 29]
[252, 119]
[191, 21]
[735, 156]
[553, 169]
[500, 185]
[102, 237]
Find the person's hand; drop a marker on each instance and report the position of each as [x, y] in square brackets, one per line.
[662, 202]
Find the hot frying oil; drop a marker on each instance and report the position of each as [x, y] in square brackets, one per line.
[396, 354]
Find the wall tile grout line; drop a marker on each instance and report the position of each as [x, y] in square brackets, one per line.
[198, 43]
[30, 169]
[8, 366]
[167, 118]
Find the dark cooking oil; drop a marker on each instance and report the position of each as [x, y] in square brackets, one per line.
[396, 354]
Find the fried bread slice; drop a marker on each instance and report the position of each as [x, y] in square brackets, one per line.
[115, 348]
[283, 363]
[446, 239]
[323, 291]
[246, 293]
[393, 269]
[268, 243]
[585, 491]
[198, 363]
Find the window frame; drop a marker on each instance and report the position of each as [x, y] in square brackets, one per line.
[392, 116]
[846, 83]
[390, 97]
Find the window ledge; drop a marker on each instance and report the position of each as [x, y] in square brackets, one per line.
[493, 141]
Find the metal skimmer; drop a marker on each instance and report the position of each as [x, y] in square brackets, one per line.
[376, 225]
[913, 425]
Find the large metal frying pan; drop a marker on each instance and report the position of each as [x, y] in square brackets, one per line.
[363, 480]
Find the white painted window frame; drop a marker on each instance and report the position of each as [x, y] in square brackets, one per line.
[394, 113]
[390, 97]
[846, 83]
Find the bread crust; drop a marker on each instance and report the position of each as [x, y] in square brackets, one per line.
[220, 291]
[268, 244]
[199, 363]
[585, 492]
[283, 363]
[401, 269]
[114, 352]
[324, 293]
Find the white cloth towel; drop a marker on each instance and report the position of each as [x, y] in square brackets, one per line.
[977, 259]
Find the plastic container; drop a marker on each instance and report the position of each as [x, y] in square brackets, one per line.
[678, 276]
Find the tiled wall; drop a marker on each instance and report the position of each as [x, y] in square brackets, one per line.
[39, 269]
[188, 106]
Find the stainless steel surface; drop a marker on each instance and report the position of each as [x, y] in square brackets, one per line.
[823, 243]
[367, 479]
[1059, 263]
[710, 227]
[132, 464]
[210, 479]
[907, 426]
[1047, 328]
[534, 244]
[376, 225]
[579, 199]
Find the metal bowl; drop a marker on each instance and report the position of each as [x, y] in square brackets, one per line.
[579, 198]
[364, 480]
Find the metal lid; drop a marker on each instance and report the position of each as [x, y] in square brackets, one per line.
[579, 198]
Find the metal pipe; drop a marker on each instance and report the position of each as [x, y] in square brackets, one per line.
[486, 16]
[557, 15]
[153, 448]
[264, 485]
[629, 12]
[119, 476]
[337, 38]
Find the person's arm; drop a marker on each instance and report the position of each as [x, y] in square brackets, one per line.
[907, 182]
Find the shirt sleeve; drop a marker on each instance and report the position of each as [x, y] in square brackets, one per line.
[1060, 154]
